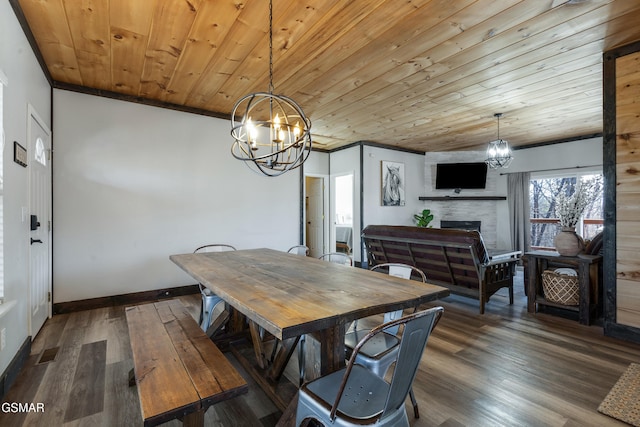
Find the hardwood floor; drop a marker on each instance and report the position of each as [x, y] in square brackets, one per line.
[505, 368]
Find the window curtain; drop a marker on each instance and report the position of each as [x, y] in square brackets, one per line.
[519, 210]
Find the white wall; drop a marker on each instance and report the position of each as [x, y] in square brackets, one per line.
[26, 85]
[317, 164]
[568, 155]
[374, 211]
[134, 184]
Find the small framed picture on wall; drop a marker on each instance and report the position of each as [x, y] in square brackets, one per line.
[393, 185]
[19, 154]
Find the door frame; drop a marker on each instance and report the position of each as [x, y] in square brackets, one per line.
[33, 113]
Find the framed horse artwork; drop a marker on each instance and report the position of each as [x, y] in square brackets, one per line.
[393, 190]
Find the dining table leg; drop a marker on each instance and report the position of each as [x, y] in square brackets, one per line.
[332, 350]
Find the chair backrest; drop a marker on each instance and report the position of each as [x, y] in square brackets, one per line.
[337, 258]
[403, 271]
[215, 247]
[417, 329]
[299, 250]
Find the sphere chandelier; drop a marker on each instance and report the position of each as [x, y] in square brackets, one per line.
[498, 152]
[271, 133]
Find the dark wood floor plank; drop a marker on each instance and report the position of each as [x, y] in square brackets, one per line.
[87, 392]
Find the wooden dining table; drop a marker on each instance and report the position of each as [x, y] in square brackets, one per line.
[290, 295]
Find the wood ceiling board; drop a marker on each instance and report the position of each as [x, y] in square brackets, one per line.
[130, 24]
[48, 23]
[288, 29]
[171, 23]
[282, 64]
[210, 28]
[89, 26]
[342, 67]
[245, 33]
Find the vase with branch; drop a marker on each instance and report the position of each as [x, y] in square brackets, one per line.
[570, 206]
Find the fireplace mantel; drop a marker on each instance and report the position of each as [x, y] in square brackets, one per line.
[450, 198]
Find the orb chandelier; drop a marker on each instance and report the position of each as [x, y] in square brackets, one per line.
[498, 152]
[271, 133]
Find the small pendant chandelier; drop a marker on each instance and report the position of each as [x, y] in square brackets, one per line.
[498, 152]
[272, 135]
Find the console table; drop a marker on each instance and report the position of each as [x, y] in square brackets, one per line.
[587, 266]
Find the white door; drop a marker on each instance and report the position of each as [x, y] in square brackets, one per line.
[314, 208]
[39, 164]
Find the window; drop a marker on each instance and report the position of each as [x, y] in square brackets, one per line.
[544, 223]
[3, 82]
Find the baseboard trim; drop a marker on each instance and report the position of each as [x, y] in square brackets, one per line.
[11, 373]
[132, 298]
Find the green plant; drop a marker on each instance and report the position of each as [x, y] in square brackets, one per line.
[424, 218]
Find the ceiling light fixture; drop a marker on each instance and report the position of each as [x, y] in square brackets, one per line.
[273, 135]
[498, 152]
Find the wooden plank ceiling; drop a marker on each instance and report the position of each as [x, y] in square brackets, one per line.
[422, 74]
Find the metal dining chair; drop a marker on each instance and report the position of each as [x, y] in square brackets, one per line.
[355, 396]
[299, 250]
[337, 258]
[380, 353]
[209, 300]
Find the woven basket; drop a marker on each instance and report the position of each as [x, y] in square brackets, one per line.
[560, 288]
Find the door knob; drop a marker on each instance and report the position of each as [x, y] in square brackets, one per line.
[35, 241]
[34, 222]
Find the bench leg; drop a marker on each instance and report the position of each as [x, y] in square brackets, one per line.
[194, 419]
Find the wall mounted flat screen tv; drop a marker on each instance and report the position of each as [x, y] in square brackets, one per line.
[461, 175]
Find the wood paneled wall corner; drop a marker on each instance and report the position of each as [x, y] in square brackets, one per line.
[609, 171]
[612, 325]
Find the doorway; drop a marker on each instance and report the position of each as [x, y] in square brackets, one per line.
[314, 215]
[39, 149]
[343, 213]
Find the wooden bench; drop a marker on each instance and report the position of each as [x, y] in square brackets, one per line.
[179, 371]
